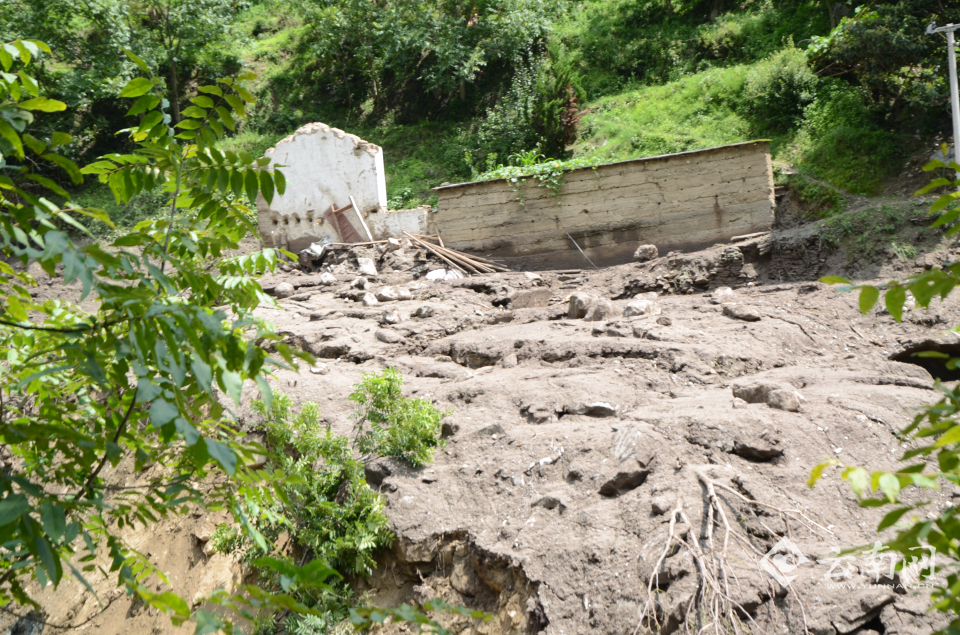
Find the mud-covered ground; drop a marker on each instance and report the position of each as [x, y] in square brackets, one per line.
[577, 447]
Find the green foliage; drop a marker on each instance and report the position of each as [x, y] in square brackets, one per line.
[365, 619]
[864, 233]
[903, 252]
[134, 381]
[885, 50]
[329, 507]
[548, 173]
[325, 507]
[538, 110]
[414, 55]
[933, 454]
[778, 88]
[617, 45]
[817, 200]
[839, 141]
[390, 424]
[698, 111]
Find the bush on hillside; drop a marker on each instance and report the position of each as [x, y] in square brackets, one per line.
[778, 88]
[540, 109]
[884, 49]
[390, 424]
[839, 141]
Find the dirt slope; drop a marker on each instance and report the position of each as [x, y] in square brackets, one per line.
[573, 443]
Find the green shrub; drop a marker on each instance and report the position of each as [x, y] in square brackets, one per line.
[778, 88]
[390, 424]
[839, 142]
[328, 510]
[333, 512]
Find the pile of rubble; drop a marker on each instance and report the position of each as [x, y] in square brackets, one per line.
[412, 254]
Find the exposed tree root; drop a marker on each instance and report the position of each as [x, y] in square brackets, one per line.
[713, 608]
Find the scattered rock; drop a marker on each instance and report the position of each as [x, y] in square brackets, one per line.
[359, 283]
[366, 266]
[742, 312]
[319, 369]
[723, 295]
[580, 303]
[392, 244]
[452, 274]
[377, 470]
[403, 294]
[327, 278]
[645, 253]
[663, 320]
[761, 449]
[448, 429]
[773, 395]
[369, 299]
[601, 309]
[284, 290]
[509, 361]
[387, 294]
[436, 274]
[494, 430]
[390, 317]
[594, 409]
[661, 505]
[389, 337]
[738, 403]
[424, 312]
[623, 482]
[642, 307]
[550, 501]
[784, 400]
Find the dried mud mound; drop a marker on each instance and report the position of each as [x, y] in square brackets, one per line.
[587, 457]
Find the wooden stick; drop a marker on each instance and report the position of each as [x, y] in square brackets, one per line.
[433, 251]
[440, 239]
[372, 242]
[456, 255]
[360, 216]
[479, 259]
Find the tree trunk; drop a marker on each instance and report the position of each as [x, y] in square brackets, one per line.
[174, 91]
[833, 19]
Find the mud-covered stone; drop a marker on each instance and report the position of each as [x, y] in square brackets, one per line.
[601, 309]
[284, 290]
[642, 307]
[580, 303]
[645, 253]
[742, 312]
[388, 336]
[623, 482]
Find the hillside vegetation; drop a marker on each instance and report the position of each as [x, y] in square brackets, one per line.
[454, 89]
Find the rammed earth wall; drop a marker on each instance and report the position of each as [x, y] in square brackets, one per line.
[675, 201]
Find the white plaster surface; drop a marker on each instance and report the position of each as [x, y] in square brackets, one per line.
[323, 166]
[392, 224]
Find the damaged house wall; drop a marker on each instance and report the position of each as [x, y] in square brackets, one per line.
[323, 167]
[678, 201]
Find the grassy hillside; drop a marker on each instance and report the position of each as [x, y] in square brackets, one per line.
[599, 80]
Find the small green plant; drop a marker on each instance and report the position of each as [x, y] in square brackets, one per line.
[390, 424]
[903, 252]
[818, 200]
[548, 173]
